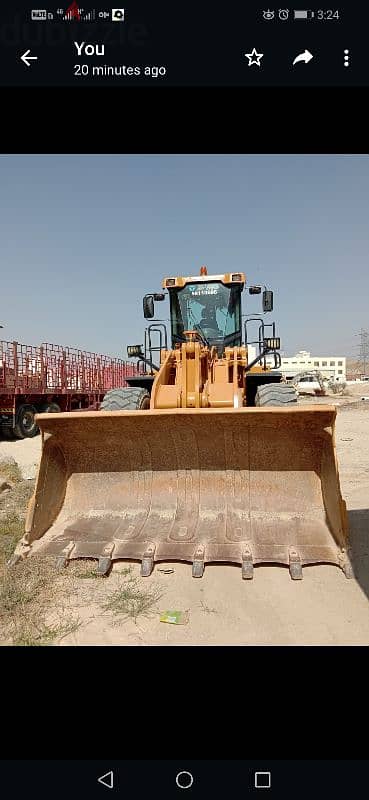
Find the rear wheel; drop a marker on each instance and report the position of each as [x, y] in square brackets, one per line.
[25, 427]
[126, 399]
[275, 394]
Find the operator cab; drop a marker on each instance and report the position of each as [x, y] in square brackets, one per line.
[210, 305]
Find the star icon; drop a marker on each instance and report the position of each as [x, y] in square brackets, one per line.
[254, 57]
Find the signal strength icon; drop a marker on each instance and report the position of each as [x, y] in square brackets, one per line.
[79, 14]
[72, 12]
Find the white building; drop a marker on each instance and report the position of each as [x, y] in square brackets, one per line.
[331, 367]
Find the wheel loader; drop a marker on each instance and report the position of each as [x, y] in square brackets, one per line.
[205, 457]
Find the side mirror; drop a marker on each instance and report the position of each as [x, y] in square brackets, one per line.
[267, 300]
[148, 306]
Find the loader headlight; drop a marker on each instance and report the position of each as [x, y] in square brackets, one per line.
[272, 344]
[134, 350]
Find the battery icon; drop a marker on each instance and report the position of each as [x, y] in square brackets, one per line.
[38, 14]
[300, 14]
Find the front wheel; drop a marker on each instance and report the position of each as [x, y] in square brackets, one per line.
[25, 426]
[127, 399]
[275, 394]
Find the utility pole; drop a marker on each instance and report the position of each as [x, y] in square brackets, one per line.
[364, 349]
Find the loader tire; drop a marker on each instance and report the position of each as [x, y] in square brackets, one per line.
[275, 394]
[126, 399]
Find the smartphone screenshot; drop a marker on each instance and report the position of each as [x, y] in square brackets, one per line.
[184, 342]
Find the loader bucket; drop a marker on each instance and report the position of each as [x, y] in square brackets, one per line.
[247, 486]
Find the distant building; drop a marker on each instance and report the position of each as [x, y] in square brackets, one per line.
[331, 367]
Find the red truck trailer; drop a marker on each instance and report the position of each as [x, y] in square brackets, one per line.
[52, 378]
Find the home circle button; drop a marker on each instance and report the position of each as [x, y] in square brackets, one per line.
[184, 780]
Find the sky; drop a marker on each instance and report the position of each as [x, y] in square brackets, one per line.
[83, 238]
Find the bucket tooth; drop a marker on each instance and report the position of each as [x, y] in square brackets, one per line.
[13, 560]
[62, 560]
[105, 561]
[247, 563]
[147, 564]
[198, 564]
[347, 570]
[295, 565]
[20, 553]
[346, 565]
[104, 565]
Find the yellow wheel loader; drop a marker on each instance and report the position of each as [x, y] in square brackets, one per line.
[207, 457]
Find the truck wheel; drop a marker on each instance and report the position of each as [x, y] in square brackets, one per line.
[126, 399]
[275, 394]
[50, 408]
[25, 427]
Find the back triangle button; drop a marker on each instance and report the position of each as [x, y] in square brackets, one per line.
[107, 779]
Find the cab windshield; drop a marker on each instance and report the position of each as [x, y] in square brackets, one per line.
[211, 308]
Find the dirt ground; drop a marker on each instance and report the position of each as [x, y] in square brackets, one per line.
[323, 608]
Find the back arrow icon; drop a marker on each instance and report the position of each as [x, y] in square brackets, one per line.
[26, 58]
[305, 56]
[107, 779]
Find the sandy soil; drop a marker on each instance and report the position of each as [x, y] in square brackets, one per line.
[324, 608]
[26, 452]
